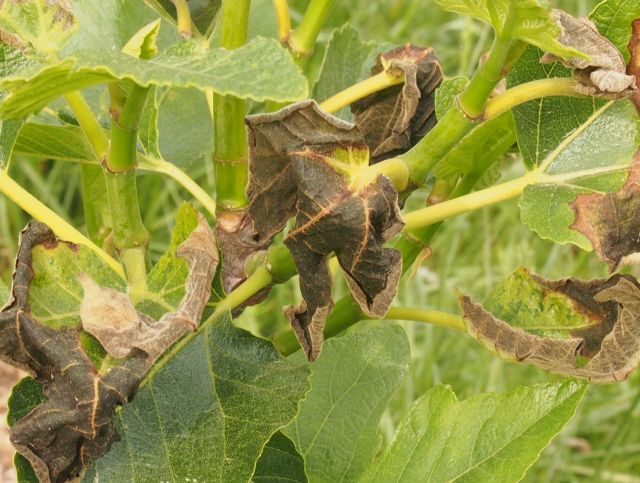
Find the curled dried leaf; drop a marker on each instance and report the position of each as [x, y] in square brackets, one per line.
[395, 119]
[74, 425]
[610, 220]
[111, 318]
[272, 190]
[604, 73]
[310, 164]
[589, 330]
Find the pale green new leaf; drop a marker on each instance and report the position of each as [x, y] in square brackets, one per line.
[206, 413]
[341, 67]
[488, 437]
[447, 92]
[352, 382]
[527, 20]
[260, 70]
[613, 19]
[43, 27]
[279, 461]
[581, 164]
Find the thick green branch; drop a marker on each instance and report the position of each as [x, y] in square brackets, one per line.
[230, 139]
[302, 40]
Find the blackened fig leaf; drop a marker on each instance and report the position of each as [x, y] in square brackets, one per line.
[41, 27]
[581, 329]
[604, 72]
[305, 162]
[582, 164]
[74, 425]
[205, 411]
[110, 316]
[395, 119]
[432, 443]
[272, 137]
[527, 20]
[352, 383]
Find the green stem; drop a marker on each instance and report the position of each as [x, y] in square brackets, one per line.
[562, 86]
[283, 19]
[473, 201]
[91, 174]
[130, 237]
[302, 40]
[470, 105]
[427, 316]
[484, 81]
[362, 89]
[63, 229]
[169, 169]
[184, 18]
[230, 138]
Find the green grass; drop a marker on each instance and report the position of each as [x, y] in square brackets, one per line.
[470, 254]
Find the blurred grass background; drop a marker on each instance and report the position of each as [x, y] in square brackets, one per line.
[470, 254]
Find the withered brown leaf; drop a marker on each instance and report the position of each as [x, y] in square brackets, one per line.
[395, 119]
[610, 220]
[604, 74]
[611, 346]
[111, 318]
[306, 162]
[74, 425]
[272, 191]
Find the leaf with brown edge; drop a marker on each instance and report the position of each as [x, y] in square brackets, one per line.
[272, 190]
[584, 329]
[111, 318]
[333, 217]
[604, 73]
[74, 425]
[395, 119]
[610, 220]
[633, 67]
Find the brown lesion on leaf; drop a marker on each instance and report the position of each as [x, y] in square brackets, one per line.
[75, 424]
[610, 347]
[604, 72]
[395, 119]
[307, 163]
[111, 318]
[610, 220]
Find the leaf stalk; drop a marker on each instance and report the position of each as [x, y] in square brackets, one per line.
[283, 20]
